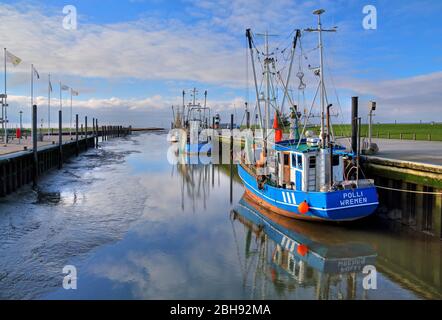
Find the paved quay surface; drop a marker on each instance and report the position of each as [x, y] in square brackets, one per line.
[428, 152]
[16, 146]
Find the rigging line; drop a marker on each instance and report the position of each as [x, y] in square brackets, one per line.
[285, 39]
[409, 191]
[310, 113]
[337, 99]
[247, 71]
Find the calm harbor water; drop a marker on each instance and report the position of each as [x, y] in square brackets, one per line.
[137, 227]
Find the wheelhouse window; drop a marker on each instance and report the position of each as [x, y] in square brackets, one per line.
[293, 160]
[299, 161]
[312, 162]
[335, 160]
[286, 159]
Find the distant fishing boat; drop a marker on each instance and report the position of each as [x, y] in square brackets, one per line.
[305, 177]
[193, 118]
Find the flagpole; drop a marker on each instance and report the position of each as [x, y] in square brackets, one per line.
[61, 106]
[4, 106]
[32, 85]
[70, 122]
[49, 105]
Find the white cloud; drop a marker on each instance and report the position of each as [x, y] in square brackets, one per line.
[407, 99]
[211, 50]
[149, 111]
[144, 49]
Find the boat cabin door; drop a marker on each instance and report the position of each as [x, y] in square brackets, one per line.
[297, 170]
[284, 168]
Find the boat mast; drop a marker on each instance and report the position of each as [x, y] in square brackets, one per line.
[249, 38]
[319, 12]
[321, 72]
[267, 71]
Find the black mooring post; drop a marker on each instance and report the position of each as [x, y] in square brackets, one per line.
[93, 132]
[231, 158]
[34, 146]
[98, 133]
[60, 140]
[85, 130]
[77, 147]
[354, 124]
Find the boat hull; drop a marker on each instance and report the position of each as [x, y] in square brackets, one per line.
[340, 205]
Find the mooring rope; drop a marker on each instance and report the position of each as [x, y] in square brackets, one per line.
[409, 191]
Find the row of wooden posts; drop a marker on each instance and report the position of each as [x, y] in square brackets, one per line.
[106, 132]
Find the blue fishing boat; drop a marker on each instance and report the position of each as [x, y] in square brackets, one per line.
[306, 177]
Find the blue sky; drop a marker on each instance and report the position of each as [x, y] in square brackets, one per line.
[130, 59]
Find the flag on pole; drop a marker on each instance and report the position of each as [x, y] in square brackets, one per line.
[50, 86]
[64, 87]
[35, 72]
[74, 93]
[12, 58]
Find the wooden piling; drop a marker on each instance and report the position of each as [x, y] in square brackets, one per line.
[60, 140]
[437, 215]
[97, 133]
[93, 132]
[34, 146]
[231, 158]
[77, 146]
[85, 130]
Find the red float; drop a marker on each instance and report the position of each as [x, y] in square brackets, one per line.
[303, 207]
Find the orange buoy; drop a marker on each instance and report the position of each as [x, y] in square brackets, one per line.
[302, 249]
[303, 207]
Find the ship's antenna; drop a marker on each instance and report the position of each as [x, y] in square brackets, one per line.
[319, 12]
[194, 96]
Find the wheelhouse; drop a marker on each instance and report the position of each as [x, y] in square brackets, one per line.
[298, 165]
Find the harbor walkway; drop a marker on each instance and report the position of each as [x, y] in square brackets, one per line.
[15, 145]
[427, 152]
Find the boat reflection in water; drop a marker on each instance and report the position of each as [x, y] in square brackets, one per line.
[196, 180]
[296, 254]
